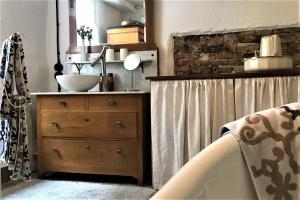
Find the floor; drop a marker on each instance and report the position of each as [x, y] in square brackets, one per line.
[74, 186]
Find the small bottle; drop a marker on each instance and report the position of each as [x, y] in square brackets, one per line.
[110, 82]
[101, 83]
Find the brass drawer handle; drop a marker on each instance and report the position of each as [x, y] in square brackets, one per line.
[111, 102]
[118, 124]
[56, 151]
[55, 124]
[119, 151]
[62, 102]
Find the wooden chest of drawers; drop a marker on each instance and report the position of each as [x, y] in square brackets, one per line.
[96, 134]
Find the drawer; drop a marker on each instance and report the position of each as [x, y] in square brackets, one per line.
[62, 102]
[113, 102]
[89, 124]
[87, 156]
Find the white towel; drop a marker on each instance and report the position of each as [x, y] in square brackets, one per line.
[270, 142]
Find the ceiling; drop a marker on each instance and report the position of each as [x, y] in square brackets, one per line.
[125, 5]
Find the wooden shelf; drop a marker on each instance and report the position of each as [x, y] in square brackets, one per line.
[256, 74]
[80, 64]
[108, 62]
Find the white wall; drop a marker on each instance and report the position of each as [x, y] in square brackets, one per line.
[28, 17]
[36, 20]
[171, 16]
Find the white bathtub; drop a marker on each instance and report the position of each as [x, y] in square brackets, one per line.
[217, 172]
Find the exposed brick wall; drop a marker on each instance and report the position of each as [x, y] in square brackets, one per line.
[194, 54]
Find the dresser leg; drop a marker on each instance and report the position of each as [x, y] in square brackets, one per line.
[140, 181]
[41, 175]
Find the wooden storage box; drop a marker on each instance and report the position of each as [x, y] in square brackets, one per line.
[125, 35]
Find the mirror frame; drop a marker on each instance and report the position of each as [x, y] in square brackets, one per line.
[149, 44]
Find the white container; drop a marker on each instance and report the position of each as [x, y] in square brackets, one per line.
[268, 63]
[270, 46]
[83, 51]
[123, 53]
[110, 55]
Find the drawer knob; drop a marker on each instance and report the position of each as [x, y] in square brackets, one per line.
[118, 124]
[87, 146]
[119, 151]
[87, 119]
[62, 102]
[56, 151]
[55, 124]
[111, 102]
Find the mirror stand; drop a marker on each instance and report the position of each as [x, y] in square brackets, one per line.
[131, 89]
[131, 63]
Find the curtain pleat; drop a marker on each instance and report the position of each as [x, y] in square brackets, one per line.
[169, 126]
[255, 94]
[185, 118]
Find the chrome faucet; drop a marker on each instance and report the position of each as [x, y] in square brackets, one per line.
[101, 58]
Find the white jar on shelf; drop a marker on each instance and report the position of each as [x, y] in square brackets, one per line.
[123, 53]
[110, 55]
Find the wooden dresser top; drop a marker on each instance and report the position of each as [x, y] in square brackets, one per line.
[89, 93]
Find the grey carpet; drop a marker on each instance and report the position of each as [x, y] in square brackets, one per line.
[66, 190]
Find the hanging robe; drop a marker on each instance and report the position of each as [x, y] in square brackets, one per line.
[15, 96]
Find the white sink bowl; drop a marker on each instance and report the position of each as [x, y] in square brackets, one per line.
[77, 83]
[268, 63]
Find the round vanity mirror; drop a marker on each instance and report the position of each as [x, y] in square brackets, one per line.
[132, 62]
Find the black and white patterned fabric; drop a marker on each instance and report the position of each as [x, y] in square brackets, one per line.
[15, 96]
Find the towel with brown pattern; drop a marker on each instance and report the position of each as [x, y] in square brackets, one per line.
[270, 142]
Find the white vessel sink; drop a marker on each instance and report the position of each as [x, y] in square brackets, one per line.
[78, 83]
[268, 63]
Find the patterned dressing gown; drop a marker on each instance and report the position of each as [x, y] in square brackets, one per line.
[15, 96]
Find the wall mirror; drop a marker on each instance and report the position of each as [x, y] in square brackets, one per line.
[121, 23]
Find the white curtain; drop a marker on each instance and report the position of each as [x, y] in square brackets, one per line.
[255, 94]
[185, 118]
[186, 115]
